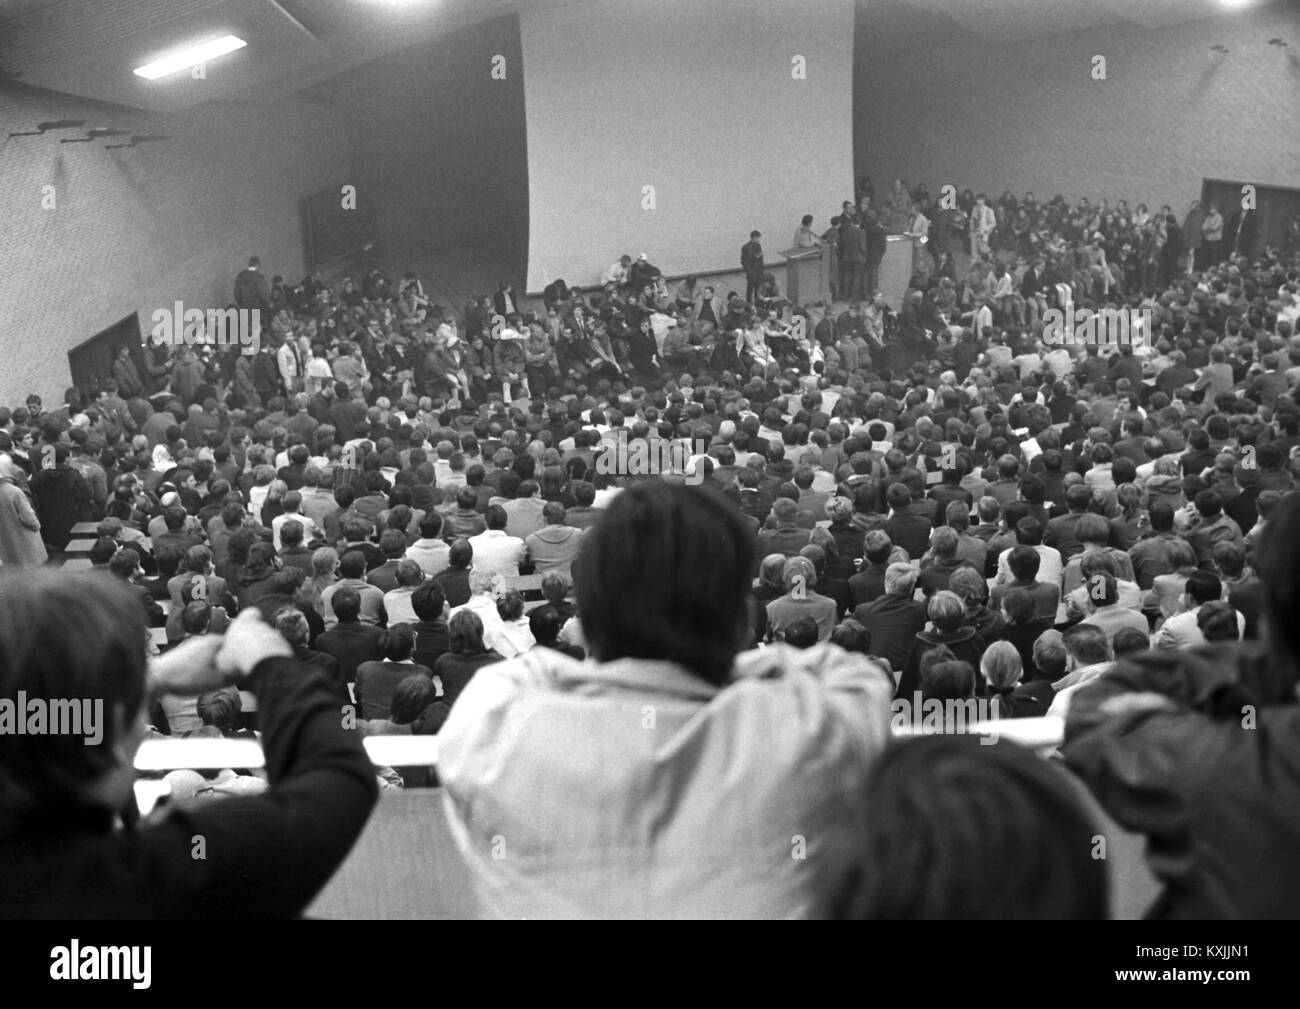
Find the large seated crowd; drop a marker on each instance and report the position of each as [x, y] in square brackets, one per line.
[391, 519]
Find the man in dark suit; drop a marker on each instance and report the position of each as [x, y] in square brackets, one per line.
[293, 624]
[751, 261]
[251, 287]
[345, 414]
[1061, 530]
[351, 642]
[895, 618]
[432, 638]
[868, 585]
[454, 579]
[905, 528]
[853, 262]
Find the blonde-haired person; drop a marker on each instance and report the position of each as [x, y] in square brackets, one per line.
[1002, 670]
[324, 573]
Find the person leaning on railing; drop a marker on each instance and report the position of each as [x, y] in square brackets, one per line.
[64, 852]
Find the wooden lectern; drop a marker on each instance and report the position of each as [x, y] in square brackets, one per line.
[807, 275]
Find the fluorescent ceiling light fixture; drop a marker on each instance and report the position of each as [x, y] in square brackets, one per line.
[190, 57]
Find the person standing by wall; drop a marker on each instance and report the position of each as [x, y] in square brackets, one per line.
[751, 261]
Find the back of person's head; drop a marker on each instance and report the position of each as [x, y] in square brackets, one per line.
[1161, 516]
[411, 696]
[353, 564]
[798, 575]
[496, 517]
[968, 585]
[465, 633]
[220, 709]
[1103, 589]
[428, 601]
[1130, 641]
[1019, 607]
[685, 555]
[898, 497]
[1001, 666]
[1029, 532]
[346, 603]
[196, 616]
[510, 606]
[544, 623]
[124, 563]
[944, 542]
[1024, 563]
[1050, 655]
[801, 633]
[900, 580]
[1087, 644]
[932, 851]
[398, 643]
[431, 526]
[947, 611]
[392, 543]
[461, 553]
[1203, 587]
[947, 680]
[292, 625]
[103, 550]
[852, 636]
[1093, 529]
[1218, 621]
[877, 546]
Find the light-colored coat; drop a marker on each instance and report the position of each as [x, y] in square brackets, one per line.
[20, 530]
[694, 801]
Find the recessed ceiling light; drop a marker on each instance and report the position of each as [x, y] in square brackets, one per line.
[190, 57]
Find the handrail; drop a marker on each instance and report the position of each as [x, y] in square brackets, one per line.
[157, 755]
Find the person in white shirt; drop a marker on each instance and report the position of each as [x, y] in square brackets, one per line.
[430, 551]
[511, 635]
[982, 223]
[1183, 631]
[1088, 656]
[616, 275]
[293, 511]
[484, 585]
[804, 237]
[286, 359]
[1050, 565]
[981, 319]
[494, 549]
[397, 602]
[319, 374]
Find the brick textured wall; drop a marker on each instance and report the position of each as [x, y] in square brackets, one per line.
[136, 229]
[942, 106]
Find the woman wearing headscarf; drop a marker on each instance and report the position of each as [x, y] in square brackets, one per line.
[20, 530]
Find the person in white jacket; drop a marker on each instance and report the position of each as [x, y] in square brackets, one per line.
[982, 223]
[668, 776]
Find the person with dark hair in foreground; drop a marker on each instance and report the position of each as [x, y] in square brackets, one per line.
[702, 770]
[63, 855]
[957, 830]
[1200, 751]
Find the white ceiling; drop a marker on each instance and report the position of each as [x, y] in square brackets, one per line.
[89, 47]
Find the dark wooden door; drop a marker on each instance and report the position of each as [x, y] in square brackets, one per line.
[92, 362]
